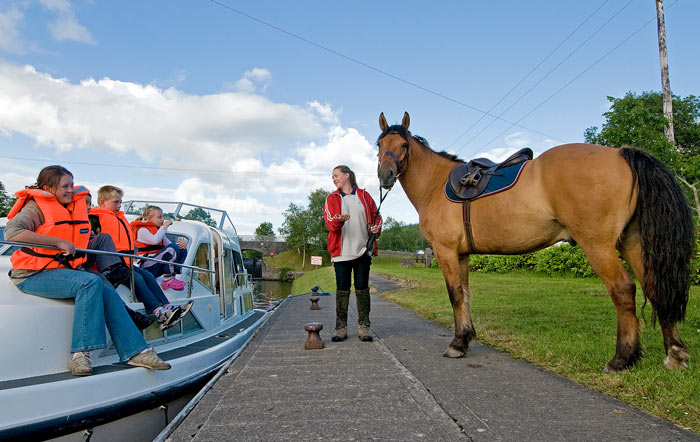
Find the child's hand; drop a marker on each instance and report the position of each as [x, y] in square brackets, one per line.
[167, 223]
[182, 243]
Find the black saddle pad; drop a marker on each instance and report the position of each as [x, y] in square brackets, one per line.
[503, 179]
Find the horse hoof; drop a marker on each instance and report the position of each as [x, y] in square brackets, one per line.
[610, 368]
[676, 358]
[452, 353]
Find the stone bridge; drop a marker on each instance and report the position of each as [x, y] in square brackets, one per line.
[264, 245]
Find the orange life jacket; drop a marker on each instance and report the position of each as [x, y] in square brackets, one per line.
[68, 222]
[142, 247]
[117, 226]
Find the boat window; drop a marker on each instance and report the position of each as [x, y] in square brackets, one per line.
[201, 259]
[228, 282]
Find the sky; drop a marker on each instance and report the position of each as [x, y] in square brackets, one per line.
[248, 105]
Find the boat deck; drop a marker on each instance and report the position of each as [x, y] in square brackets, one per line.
[399, 387]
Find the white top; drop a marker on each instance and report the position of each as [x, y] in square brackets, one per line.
[146, 237]
[354, 232]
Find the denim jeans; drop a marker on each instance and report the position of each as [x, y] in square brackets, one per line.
[171, 253]
[96, 305]
[147, 290]
[358, 266]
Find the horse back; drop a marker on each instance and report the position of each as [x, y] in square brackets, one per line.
[559, 196]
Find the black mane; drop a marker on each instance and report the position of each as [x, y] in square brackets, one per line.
[406, 134]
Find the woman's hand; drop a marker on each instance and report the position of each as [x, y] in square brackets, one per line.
[67, 247]
[374, 229]
[342, 218]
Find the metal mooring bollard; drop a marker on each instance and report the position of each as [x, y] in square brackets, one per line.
[313, 341]
[314, 303]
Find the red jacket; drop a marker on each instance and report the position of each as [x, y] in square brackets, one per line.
[334, 206]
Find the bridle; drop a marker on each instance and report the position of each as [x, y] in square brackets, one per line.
[400, 165]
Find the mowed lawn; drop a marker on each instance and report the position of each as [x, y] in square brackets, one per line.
[564, 324]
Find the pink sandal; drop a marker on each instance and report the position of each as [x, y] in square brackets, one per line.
[173, 283]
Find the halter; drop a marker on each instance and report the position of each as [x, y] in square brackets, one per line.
[400, 165]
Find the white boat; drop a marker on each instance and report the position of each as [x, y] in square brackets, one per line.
[41, 400]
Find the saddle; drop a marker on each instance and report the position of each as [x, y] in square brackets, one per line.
[469, 180]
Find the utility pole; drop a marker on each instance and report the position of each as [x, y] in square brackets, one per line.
[665, 82]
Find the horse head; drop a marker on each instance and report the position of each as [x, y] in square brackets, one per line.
[393, 150]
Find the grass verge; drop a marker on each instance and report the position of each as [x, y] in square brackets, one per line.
[564, 324]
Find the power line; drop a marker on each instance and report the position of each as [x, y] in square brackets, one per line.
[548, 73]
[527, 75]
[576, 77]
[361, 63]
[175, 169]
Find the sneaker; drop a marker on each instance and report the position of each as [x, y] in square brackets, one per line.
[140, 320]
[173, 283]
[363, 333]
[169, 317]
[79, 365]
[340, 335]
[149, 359]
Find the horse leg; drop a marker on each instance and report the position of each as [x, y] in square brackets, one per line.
[456, 272]
[621, 288]
[676, 352]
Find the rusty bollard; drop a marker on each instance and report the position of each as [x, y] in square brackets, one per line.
[313, 341]
[314, 303]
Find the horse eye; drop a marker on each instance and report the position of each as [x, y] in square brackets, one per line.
[405, 145]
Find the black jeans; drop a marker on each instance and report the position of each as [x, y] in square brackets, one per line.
[358, 266]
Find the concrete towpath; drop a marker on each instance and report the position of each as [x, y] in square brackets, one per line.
[400, 387]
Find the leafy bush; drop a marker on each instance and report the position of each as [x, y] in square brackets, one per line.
[695, 264]
[561, 259]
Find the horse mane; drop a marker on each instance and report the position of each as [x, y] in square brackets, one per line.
[406, 134]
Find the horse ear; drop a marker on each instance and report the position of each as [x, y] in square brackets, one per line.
[406, 121]
[382, 122]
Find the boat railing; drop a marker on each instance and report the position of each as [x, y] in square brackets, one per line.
[122, 255]
[222, 223]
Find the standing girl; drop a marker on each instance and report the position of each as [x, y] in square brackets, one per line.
[149, 230]
[350, 216]
[53, 213]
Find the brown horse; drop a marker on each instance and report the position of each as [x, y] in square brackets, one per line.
[601, 198]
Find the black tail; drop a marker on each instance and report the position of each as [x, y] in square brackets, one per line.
[667, 235]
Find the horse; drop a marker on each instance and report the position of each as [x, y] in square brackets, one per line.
[603, 199]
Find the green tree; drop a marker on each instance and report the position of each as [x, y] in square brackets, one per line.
[638, 120]
[6, 201]
[399, 236]
[264, 231]
[199, 214]
[304, 228]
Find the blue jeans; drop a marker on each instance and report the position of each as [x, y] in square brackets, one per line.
[147, 290]
[96, 304]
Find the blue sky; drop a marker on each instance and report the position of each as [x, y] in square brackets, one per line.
[248, 105]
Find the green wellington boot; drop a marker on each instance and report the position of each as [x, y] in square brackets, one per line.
[342, 299]
[363, 307]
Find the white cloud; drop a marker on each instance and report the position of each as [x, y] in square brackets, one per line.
[66, 26]
[251, 80]
[9, 31]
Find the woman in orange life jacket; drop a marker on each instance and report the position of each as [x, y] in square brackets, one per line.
[113, 222]
[351, 215]
[52, 213]
[149, 230]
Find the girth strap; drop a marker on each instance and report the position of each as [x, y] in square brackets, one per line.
[466, 216]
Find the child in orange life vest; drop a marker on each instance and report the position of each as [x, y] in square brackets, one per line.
[149, 231]
[113, 222]
[102, 241]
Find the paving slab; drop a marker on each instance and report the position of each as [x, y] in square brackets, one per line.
[399, 388]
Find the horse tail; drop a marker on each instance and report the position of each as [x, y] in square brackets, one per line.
[667, 235]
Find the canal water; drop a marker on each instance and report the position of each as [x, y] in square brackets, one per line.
[267, 294]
